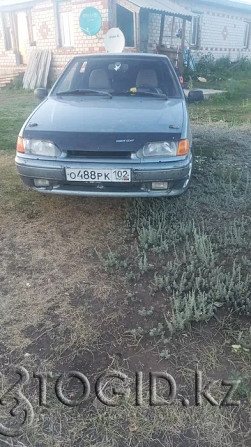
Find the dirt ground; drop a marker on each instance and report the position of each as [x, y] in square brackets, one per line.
[102, 285]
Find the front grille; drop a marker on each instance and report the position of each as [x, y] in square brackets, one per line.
[99, 155]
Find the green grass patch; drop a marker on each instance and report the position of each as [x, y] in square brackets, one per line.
[232, 107]
[15, 107]
[221, 109]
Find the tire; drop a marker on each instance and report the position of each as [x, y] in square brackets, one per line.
[195, 96]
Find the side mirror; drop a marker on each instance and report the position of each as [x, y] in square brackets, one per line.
[41, 93]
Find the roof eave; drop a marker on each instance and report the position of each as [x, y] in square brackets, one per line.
[22, 4]
[244, 7]
[172, 14]
[162, 8]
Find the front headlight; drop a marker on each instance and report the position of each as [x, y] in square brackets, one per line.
[38, 147]
[159, 149]
[165, 149]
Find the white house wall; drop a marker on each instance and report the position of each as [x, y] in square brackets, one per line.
[222, 30]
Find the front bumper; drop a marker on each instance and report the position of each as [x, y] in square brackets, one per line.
[176, 173]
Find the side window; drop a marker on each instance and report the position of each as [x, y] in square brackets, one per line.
[247, 35]
[125, 21]
[195, 28]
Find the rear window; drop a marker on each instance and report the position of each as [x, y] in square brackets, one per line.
[119, 75]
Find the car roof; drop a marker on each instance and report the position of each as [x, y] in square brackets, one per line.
[122, 55]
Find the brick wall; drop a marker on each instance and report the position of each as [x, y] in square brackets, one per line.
[43, 20]
[7, 58]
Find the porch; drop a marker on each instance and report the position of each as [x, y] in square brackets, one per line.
[18, 32]
[153, 26]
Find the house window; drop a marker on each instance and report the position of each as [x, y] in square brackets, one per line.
[66, 29]
[195, 26]
[247, 35]
[125, 22]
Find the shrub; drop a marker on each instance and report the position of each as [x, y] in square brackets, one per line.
[205, 66]
[223, 69]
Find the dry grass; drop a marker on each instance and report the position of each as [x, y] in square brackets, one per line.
[47, 249]
[69, 300]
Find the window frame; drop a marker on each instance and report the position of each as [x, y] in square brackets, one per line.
[135, 11]
[247, 35]
[63, 39]
[58, 27]
[195, 20]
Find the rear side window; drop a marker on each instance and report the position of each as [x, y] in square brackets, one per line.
[119, 75]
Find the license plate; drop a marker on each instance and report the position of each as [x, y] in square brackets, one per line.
[98, 175]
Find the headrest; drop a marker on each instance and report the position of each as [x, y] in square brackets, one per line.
[99, 80]
[147, 78]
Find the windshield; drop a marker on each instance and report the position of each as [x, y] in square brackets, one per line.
[149, 77]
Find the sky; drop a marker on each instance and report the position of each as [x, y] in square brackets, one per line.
[240, 1]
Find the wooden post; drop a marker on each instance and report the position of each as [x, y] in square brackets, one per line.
[173, 22]
[144, 30]
[162, 27]
[112, 14]
[4, 31]
[183, 34]
[183, 45]
[30, 29]
[137, 30]
[14, 31]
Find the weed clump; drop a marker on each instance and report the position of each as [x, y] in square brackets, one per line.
[198, 244]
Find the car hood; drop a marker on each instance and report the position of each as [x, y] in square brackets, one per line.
[116, 115]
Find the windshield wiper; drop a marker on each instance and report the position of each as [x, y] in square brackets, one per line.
[85, 92]
[139, 93]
